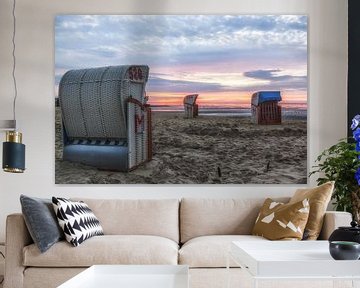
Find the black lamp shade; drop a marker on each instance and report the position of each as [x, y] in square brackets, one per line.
[13, 157]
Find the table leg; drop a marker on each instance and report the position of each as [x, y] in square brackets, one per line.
[228, 270]
[255, 283]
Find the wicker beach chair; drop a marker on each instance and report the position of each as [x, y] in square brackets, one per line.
[106, 121]
[265, 108]
[190, 106]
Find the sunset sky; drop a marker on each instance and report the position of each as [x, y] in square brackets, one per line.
[223, 58]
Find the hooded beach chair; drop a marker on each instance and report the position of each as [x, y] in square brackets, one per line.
[265, 108]
[190, 106]
[106, 121]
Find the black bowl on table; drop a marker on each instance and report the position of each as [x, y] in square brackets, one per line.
[344, 250]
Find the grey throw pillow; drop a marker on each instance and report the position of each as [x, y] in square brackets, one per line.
[41, 221]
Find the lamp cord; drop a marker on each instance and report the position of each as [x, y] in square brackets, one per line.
[14, 59]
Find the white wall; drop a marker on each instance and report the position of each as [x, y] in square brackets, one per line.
[35, 75]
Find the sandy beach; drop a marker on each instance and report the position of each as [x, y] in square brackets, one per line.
[206, 150]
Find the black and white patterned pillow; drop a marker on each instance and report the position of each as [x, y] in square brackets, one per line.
[77, 220]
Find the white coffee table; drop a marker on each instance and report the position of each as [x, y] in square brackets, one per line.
[131, 276]
[292, 260]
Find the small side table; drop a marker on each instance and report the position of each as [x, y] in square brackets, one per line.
[284, 262]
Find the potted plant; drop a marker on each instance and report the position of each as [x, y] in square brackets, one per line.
[341, 163]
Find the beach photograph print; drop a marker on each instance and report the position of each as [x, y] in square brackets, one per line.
[181, 99]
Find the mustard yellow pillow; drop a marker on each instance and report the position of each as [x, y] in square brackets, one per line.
[319, 198]
[279, 221]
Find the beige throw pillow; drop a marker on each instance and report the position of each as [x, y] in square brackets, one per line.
[279, 221]
[319, 198]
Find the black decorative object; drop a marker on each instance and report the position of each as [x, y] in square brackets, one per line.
[345, 233]
[344, 250]
[354, 61]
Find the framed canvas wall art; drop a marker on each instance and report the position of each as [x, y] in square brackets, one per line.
[181, 99]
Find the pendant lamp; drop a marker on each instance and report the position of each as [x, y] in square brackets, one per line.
[13, 149]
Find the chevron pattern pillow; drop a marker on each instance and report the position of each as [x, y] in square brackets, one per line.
[77, 220]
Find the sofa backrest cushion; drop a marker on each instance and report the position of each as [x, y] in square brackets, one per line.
[200, 217]
[159, 217]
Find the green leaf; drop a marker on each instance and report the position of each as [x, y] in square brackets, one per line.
[339, 163]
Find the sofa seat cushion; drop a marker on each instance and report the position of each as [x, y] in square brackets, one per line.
[107, 249]
[211, 251]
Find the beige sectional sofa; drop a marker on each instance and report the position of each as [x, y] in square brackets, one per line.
[194, 232]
